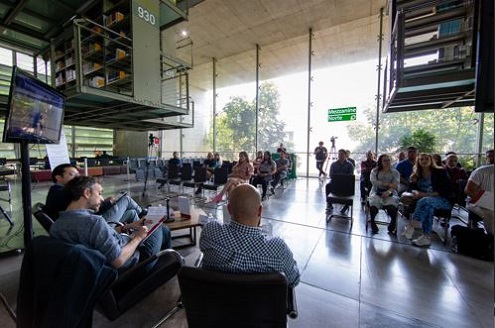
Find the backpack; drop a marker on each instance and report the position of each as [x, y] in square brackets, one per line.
[472, 242]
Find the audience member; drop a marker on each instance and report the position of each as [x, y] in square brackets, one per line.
[481, 180]
[283, 167]
[175, 160]
[123, 209]
[437, 159]
[447, 154]
[210, 165]
[321, 155]
[240, 245]
[400, 157]
[405, 168]
[340, 166]
[430, 190]
[281, 148]
[266, 172]
[257, 162]
[80, 225]
[385, 181]
[241, 173]
[364, 181]
[489, 157]
[455, 174]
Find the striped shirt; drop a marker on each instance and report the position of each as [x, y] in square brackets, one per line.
[236, 248]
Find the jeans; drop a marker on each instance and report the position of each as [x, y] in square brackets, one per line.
[425, 207]
[125, 210]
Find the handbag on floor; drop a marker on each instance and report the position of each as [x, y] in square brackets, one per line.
[472, 242]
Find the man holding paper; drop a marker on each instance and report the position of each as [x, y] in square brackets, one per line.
[123, 246]
[480, 188]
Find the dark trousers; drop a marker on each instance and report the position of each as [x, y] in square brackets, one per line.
[319, 167]
[263, 181]
[365, 188]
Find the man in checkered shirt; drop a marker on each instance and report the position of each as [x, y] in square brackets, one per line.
[240, 246]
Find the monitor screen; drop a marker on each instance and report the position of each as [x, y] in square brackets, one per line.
[35, 110]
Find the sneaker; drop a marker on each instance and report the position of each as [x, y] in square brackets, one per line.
[408, 232]
[143, 213]
[423, 240]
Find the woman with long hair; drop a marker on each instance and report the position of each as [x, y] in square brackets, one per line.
[431, 190]
[266, 170]
[385, 181]
[241, 173]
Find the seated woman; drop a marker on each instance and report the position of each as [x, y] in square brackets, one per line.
[385, 181]
[266, 170]
[241, 173]
[365, 182]
[430, 190]
[456, 175]
[210, 165]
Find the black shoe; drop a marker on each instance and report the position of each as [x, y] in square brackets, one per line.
[374, 227]
[143, 213]
[198, 191]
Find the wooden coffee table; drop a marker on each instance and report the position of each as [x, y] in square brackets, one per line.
[182, 223]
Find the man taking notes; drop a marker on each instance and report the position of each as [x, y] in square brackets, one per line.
[80, 225]
[240, 246]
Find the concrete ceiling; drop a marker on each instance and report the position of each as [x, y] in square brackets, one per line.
[343, 31]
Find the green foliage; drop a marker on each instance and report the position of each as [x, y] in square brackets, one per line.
[423, 140]
[454, 129]
[236, 125]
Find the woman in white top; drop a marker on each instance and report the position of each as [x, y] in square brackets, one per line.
[384, 180]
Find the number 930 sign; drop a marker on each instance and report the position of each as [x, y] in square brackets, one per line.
[144, 14]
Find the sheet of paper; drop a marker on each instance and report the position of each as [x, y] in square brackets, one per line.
[155, 213]
[58, 154]
[184, 205]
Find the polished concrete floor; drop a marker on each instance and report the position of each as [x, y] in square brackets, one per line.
[349, 277]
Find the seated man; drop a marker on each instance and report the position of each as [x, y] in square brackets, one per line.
[124, 209]
[405, 168]
[240, 246]
[481, 180]
[282, 172]
[340, 166]
[80, 225]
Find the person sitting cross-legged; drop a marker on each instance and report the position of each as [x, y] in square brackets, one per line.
[266, 172]
[241, 173]
[385, 181]
[240, 246]
[123, 209]
[430, 191]
[79, 224]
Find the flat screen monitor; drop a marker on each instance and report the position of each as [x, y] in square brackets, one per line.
[35, 110]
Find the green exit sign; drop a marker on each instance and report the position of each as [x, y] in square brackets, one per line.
[342, 114]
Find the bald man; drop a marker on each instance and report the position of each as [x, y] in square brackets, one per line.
[240, 246]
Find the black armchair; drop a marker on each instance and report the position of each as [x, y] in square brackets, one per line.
[217, 299]
[132, 285]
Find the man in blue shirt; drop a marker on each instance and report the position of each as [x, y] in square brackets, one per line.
[80, 225]
[123, 209]
[405, 168]
[240, 245]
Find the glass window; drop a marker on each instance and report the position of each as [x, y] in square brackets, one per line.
[25, 62]
[5, 56]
